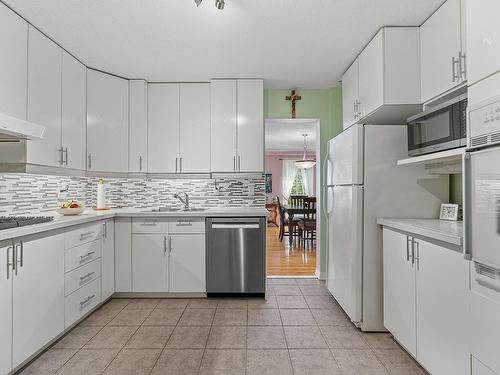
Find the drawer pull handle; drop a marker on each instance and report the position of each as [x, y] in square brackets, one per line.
[86, 277]
[87, 300]
[85, 235]
[184, 224]
[149, 223]
[86, 256]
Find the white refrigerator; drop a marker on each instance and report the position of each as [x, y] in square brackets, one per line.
[363, 182]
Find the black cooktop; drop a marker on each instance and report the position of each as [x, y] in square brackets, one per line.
[7, 222]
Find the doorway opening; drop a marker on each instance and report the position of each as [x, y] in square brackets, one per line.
[293, 197]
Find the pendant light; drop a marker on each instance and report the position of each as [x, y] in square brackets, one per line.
[305, 163]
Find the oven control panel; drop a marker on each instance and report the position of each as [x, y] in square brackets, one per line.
[484, 123]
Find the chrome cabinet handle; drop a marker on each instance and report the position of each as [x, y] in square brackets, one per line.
[164, 245]
[84, 278]
[85, 235]
[462, 65]
[408, 240]
[105, 229]
[87, 300]
[234, 163]
[65, 159]
[140, 163]
[239, 163]
[417, 258]
[170, 245]
[14, 259]
[20, 246]
[61, 153]
[180, 165]
[413, 252]
[176, 165]
[9, 264]
[454, 62]
[89, 161]
[86, 256]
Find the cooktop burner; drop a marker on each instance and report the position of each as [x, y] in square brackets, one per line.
[7, 222]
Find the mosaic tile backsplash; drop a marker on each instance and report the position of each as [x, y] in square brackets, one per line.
[23, 194]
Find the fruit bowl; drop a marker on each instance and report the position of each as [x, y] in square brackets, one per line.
[70, 211]
[71, 208]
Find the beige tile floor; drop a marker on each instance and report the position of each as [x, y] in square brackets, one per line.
[298, 329]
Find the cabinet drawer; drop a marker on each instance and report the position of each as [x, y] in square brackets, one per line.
[186, 225]
[80, 255]
[81, 276]
[82, 301]
[82, 235]
[149, 225]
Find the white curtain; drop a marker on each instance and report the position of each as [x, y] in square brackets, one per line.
[308, 181]
[289, 172]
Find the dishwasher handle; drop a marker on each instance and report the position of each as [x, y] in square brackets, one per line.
[235, 226]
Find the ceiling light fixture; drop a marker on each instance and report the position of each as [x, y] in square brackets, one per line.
[219, 4]
[305, 163]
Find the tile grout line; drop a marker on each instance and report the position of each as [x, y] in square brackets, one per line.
[208, 337]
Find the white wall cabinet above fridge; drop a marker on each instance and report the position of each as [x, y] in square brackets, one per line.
[443, 53]
[107, 123]
[179, 128]
[382, 86]
[237, 125]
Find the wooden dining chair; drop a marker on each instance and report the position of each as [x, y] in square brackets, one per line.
[307, 225]
[297, 200]
[284, 223]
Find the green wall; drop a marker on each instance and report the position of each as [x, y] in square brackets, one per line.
[325, 105]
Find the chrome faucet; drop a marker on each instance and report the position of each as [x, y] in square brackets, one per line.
[184, 201]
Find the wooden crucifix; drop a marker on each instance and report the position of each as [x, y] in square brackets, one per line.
[293, 98]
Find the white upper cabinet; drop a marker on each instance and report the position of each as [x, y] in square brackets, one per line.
[163, 128]
[74, 113]
[107, 122]
[223, 125]
[13, 64]
[194, 128]
[138, 142]
[250, 125]
[443, 64]
[383, 85]
[44, 98]
[350, 94]
[483, 39]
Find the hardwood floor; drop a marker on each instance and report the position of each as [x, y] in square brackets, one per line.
[283, 260]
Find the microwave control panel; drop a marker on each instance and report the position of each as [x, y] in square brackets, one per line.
[484, 123]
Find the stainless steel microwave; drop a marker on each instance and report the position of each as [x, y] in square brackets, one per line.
[439, 128]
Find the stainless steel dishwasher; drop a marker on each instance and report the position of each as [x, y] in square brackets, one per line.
[236, 256]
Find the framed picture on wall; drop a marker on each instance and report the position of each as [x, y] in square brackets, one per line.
[269, 182]
[449, 212]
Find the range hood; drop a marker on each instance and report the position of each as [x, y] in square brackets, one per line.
[14, 130]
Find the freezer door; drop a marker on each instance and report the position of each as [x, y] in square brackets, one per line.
[346, 152]
[483, 218]
[345, 251]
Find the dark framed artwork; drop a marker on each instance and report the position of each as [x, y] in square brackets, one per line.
[269, 182]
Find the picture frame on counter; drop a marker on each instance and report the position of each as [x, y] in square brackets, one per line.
[448, 212]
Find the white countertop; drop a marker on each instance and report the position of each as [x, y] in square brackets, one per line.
[90, 215]
[441, 230]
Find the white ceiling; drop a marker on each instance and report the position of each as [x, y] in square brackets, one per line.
[285, 135]
[289, 43]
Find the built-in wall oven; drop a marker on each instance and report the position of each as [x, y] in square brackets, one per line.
[440, 128]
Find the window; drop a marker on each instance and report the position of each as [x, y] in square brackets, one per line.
[298, 184]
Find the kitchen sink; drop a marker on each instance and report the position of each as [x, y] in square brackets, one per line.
[174, 209]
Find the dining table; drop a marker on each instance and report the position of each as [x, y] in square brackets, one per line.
[291, 211]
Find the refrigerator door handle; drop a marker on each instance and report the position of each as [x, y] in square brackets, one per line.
[467, 186]
[325, 184]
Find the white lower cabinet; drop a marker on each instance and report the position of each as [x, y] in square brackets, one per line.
[399, 290]
[108, 260]
[187, 263]
[81, 302]
[170, 260]
[149, 263]
[6, 276]
[426, 302]
[38, 295]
